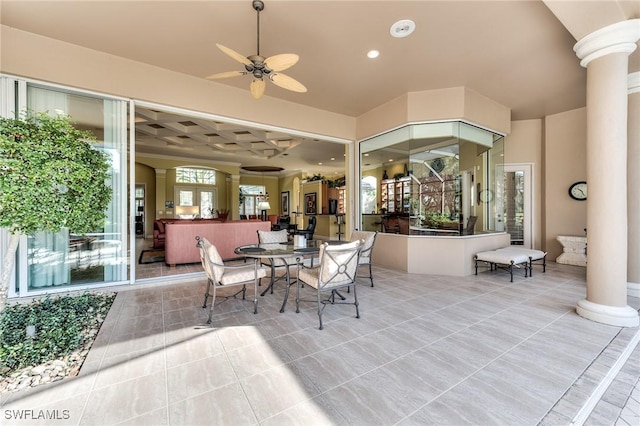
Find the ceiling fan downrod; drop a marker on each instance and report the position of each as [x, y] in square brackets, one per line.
[258, 6]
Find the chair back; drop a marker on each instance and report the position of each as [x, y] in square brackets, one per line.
[211, 260]
[244, 217]
[368, 238]
[403, 225]
[471, 224]
[338, 264]
[311, 227]
[390, 225]
[267, 237]
[284, 221]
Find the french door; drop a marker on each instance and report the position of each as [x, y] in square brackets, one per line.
[195, 201]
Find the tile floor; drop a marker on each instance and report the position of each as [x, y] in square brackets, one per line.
[474, 350]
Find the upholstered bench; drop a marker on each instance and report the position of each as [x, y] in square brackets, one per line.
[534, 256]
[511, 257]
[503, 260]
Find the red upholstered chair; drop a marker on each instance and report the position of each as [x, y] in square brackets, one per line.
[273, 218]
[158, 234]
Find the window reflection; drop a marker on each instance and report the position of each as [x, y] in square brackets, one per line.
[433, 178]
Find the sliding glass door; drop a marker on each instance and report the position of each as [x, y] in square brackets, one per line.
[50, 261]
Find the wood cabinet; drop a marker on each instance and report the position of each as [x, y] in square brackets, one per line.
[395, 195]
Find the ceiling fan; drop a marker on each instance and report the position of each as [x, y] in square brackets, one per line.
[260, 67]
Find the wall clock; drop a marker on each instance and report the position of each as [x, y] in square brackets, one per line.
[578, 191]
[485, 196]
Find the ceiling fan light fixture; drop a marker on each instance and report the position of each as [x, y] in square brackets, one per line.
[402, 28]
[257, 88]
[259, 66]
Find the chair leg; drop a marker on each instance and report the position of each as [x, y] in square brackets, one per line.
[320, 306]
[298, 283]
[213, 302]
[206, 294]
[370, 275]
[287, 284]
[355, 298]
[255, 293]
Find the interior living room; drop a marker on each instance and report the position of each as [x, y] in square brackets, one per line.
[462, 135]
[245, 164]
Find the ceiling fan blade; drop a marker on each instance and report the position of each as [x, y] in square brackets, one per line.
[235, 55]
[281, 62]
[257, 88]
[227, 74]
[287, 82]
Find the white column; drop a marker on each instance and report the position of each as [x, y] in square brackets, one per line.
[233, 188]
[161, 193]
[605, 54]
[633, 182]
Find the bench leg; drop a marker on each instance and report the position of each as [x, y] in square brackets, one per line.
[511, 270]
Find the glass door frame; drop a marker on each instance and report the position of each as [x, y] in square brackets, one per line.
[527, 222]
[13, 97]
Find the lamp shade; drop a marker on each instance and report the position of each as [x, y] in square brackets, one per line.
[264, 205]
[187, 212]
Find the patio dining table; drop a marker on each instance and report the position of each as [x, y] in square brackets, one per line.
[284, 251]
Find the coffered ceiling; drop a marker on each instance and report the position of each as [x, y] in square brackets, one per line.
[165, 133]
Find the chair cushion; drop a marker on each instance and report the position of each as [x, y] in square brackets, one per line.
[160, 226]
[241, 275]
[368, 239]
[212, 264]
[309, 276]
[338, 265]
[268, 237]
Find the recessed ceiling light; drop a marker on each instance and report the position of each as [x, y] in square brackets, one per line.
[402, 28]
[319, 164]
[372, 54]
[367, 154]
[390, 159]
[332, 158]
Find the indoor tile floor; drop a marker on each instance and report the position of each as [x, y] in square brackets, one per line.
[474, 350]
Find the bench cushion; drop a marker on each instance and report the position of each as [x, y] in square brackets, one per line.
[533, 254]
[502, 257]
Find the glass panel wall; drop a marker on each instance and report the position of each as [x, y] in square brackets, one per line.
[435, 179]
[65, 259]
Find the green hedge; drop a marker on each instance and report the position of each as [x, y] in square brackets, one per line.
[62, 326]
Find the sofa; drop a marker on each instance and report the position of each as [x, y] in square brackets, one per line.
[158, 234]
[180, 238]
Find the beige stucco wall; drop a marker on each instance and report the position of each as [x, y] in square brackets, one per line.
[524, 146]
[456, 103]
[565, 162]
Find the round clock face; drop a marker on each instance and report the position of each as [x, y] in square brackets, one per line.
[485, 196]
[578, 191]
